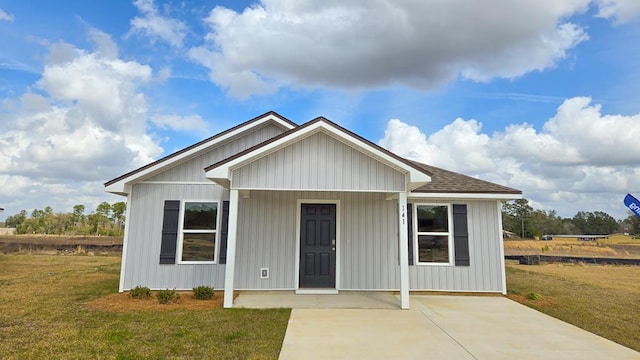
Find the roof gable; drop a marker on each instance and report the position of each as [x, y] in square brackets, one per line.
[221, 172]
[121, 184]
[318, 162]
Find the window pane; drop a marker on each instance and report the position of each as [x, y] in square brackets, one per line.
[433, 218]
[433, 248]
[198, 247]
[200, 216]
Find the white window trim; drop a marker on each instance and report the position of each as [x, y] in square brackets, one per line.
[181, 232]
[449, 234]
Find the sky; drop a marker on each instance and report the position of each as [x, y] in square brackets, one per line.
[541, 96]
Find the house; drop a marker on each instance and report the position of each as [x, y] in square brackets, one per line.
[313, 208]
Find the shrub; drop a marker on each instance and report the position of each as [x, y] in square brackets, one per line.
[140, 292]
[167, 296]
[203, 292]
[533, 296]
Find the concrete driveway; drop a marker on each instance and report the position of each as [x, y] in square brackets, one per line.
[442, 327]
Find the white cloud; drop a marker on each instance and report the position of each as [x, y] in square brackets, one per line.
[4, 16]
[378, 43]
[157, 26]
[622, 11]
[580, 159]
[84, 122]
[180, 123]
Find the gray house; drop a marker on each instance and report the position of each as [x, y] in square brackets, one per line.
[315, 208]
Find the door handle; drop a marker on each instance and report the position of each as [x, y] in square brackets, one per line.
[333, 244]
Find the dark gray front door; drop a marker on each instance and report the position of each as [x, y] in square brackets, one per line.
[318, 246]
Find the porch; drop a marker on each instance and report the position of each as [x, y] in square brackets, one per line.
[342, 300]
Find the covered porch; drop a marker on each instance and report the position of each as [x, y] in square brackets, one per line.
[333, 209]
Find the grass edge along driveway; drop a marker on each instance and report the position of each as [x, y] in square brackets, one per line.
[600, 299]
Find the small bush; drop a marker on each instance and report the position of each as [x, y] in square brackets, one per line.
[203, 292]
[514, 291]
[534, 296]
[167, 296]
[545, 248]
[140, 292]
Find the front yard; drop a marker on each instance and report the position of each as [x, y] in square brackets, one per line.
[48, 309]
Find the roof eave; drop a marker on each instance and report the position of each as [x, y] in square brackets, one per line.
[119, 184]
[505, 196]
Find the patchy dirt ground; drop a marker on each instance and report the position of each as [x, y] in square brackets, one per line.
[613, 248]
[57, 244]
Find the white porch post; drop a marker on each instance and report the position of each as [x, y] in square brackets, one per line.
[404, 250]
[231, 249]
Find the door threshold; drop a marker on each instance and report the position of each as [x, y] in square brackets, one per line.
[316, 291]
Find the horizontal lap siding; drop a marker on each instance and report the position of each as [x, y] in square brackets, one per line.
[267, 238]
[318, 162]
[193, 169]
[484, 274]
[143, 245]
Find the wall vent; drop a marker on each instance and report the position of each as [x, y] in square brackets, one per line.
[264, 273]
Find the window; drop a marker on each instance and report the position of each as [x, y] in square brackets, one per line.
[433, 235]
[199, 228]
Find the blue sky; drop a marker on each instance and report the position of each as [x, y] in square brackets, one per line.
[540, 96]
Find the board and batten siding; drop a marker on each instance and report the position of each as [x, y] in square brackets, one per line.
[267, 238]
[193, 169]
[318, 162]
[367, 241]
[145, 232]
[484, 273]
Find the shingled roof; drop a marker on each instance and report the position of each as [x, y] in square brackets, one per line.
[445, 181]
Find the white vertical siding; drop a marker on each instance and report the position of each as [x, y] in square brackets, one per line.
[193, 169]
[142, 263]
[484, 272]
[267, 238]
[368, 243]
[318, 162]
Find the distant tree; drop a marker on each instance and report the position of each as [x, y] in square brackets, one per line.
[631, 224]
[516, 215]
[594, 223]
[17, 221]
[106, 220]
[102, 216]
[118, 210]
[542, 223]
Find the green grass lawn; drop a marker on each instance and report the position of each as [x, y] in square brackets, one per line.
[600, 299]
[44, 315]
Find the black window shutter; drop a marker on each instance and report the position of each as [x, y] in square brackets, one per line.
[460, 235]
[410, 232]
[169, 231]
[224, 233]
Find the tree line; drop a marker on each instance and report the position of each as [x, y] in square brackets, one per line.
[524, 221]
[107, 219]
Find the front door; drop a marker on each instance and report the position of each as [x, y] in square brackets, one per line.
[318, 246]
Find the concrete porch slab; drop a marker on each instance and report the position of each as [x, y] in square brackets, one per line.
[343, 300]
